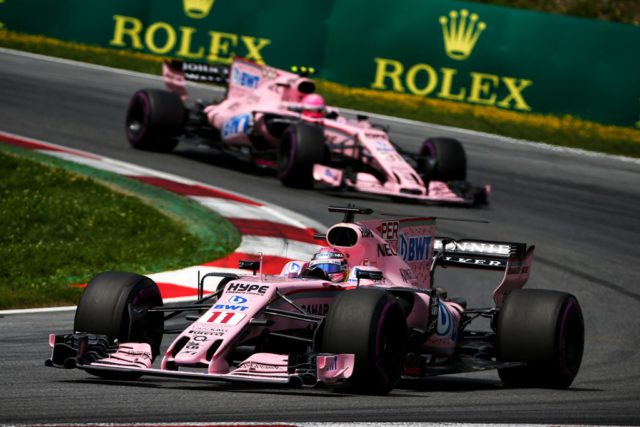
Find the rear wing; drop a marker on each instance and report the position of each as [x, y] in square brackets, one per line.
[480, 254]
[514, 259]
[175, 73]
[200, 72]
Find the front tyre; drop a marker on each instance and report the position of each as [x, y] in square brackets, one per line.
[545, 330]
[155, 118]
[368, 323]
[301, 147]
[442, 159]
[116, 304]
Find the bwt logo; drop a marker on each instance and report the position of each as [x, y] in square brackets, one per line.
[231, 307]
[237, 125]
[415, 248]
[294, 267]
[237, 299]
[245, 79]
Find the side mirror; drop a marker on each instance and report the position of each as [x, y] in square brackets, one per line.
[368, 274]
[249, 265]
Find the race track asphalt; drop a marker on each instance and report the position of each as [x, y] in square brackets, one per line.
[581, 211]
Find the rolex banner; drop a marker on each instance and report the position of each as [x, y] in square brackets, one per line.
[280, 32]
[486, 55]
[460, 51]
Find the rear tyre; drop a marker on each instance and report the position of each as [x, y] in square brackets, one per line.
[155, 119]
[442, 159]
[368, 323]
[116, 304]
[545, 330]
[301, 147]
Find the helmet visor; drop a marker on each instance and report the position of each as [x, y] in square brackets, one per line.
[328, 268]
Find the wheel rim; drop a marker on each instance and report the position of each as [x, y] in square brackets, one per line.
[137, 117]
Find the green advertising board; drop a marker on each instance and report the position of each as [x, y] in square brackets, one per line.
[459, 51]
[281, 32]
[487, 55]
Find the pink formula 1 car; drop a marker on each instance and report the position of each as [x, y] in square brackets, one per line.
[274, 119]
[362, 313]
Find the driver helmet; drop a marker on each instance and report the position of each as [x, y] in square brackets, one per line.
[313, 106]
[332, 262]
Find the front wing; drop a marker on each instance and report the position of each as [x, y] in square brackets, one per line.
[455, 192]
[96, 355]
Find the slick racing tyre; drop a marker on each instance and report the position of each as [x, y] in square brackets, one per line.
[116, 304]
[446, 159]
[545, 330]
[301, 147]
[155, 119]
[370, 324]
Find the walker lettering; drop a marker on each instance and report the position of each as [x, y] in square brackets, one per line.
[476, 88]
[162, 38]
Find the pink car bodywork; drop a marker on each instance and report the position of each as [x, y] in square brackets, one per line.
[260, 100]
[395, 256]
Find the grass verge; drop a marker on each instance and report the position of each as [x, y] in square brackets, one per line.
[61, 223]
[565, 131]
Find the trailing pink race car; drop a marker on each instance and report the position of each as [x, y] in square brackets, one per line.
[363, 312]
[274, 118]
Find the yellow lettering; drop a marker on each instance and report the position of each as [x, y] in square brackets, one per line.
[126, 26]
[253, 49]
[411, 79]
[185, 44]
[481, 85]
[382, 73]
[477, 88]
[220, 43]
[515, 93]
[445, 89]
[150, 37]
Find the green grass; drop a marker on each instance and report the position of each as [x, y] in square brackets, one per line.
[59, 228]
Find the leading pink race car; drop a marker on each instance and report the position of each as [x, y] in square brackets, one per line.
[274, 119]
[362, 313]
